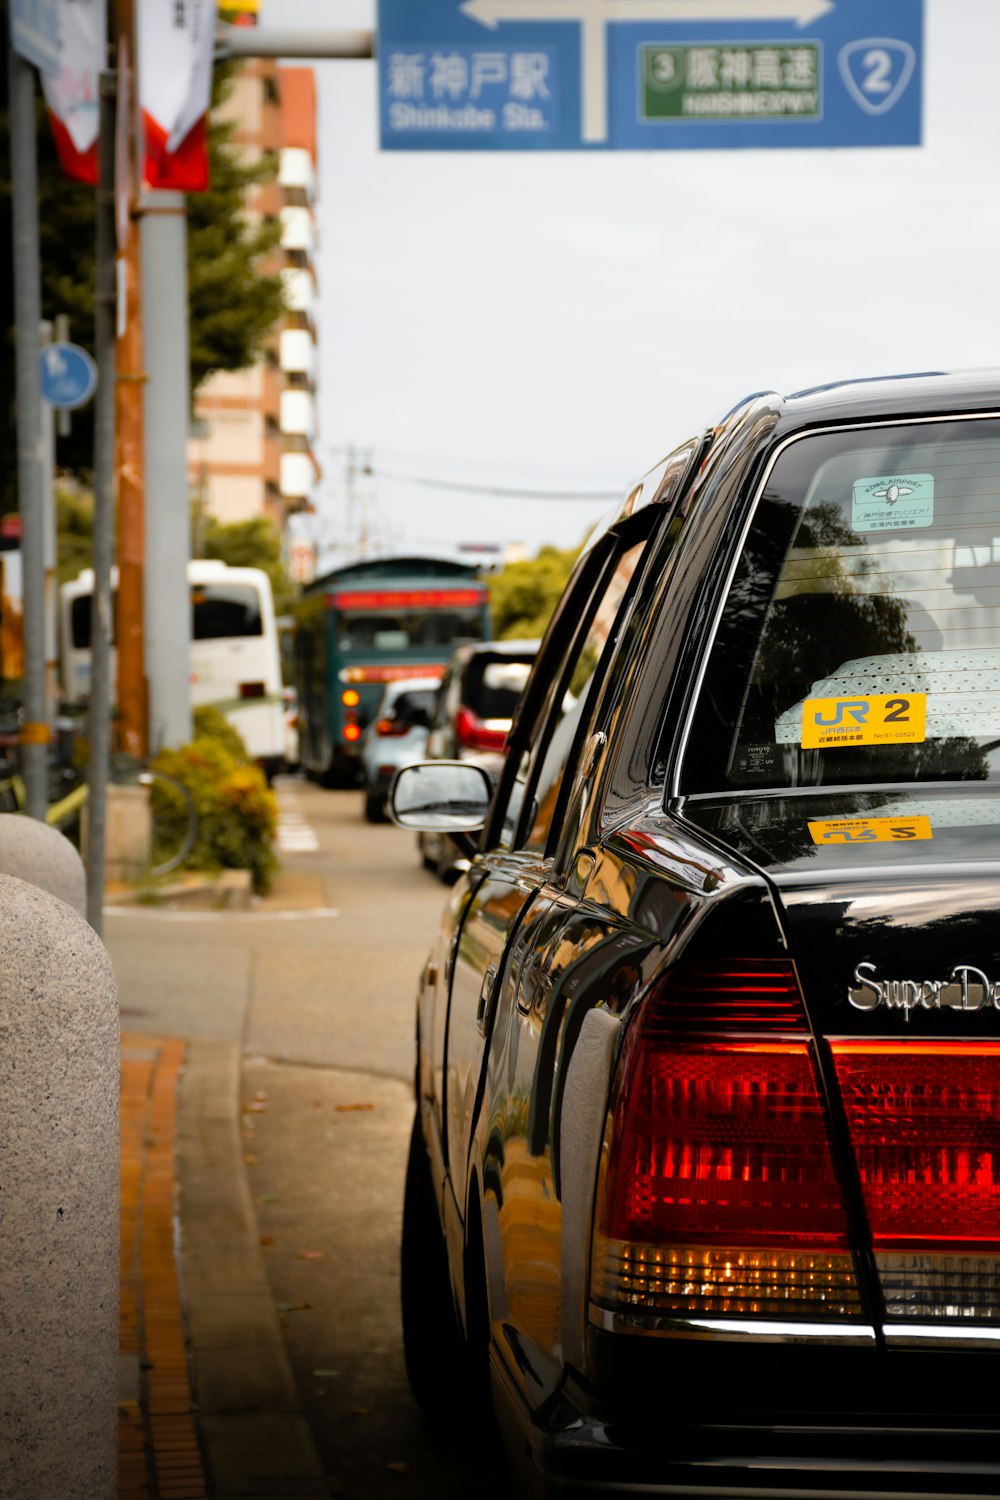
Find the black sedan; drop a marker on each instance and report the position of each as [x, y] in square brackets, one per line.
[704, 1186]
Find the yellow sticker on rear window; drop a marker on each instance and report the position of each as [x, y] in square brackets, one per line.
[880, 719]
[870, 830]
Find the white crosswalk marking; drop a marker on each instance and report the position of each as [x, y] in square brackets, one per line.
[295, 835]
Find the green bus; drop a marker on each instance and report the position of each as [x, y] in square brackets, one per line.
[367, 624]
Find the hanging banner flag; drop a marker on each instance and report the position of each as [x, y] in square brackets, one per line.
[71, 93]
[175, 45]
[239, 12]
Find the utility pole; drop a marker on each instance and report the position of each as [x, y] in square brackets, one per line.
[166, 406]
[163, 238]
[131, 468]
[34, 732]
[102, 551]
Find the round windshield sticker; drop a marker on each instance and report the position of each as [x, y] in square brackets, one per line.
[893, 502]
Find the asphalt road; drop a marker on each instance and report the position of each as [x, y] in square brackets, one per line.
[316, 986]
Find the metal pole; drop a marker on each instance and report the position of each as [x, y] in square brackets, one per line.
[254, 41]
[168, 522]
[99, 725]
[131, 472]
[34, 733]
[48, 495]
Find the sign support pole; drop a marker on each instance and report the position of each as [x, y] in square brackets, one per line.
[35, 730]
[131, 466]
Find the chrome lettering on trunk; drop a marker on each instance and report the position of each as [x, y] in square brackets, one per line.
[966, 988]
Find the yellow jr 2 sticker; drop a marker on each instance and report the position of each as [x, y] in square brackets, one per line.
[879, 719]
[870, 830]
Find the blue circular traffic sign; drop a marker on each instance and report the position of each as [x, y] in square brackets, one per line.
[69, 375]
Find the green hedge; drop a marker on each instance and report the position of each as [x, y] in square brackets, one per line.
[237, 813]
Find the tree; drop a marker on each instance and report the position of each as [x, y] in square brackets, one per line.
[523, 595]
[234, 302]
[249, 544]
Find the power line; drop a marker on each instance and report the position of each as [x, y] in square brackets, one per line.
[505, 491]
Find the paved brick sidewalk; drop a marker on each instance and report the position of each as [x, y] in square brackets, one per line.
[158, 1450]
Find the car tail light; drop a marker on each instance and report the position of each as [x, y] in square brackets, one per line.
[924, 1119]
[717, 1193]
[473, 734]
[391, 728]
[252, 690]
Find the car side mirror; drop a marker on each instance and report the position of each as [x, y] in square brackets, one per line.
[440, 796]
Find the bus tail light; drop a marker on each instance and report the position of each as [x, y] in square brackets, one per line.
[717, 1193]
[352, 731]
[472, 734]
[924, 1119]
[253, 690]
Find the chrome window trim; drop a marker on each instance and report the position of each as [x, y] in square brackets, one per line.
[875, 425]
[762, 1330]
[951, 1335]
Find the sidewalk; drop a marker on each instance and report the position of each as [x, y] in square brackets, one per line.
[208, 1407]
[158, 1446]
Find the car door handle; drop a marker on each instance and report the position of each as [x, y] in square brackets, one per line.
[486, 999]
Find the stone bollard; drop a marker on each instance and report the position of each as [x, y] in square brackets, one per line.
[43, 856]
[59, 1063]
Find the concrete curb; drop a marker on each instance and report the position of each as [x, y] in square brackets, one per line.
[225, 889]
[257, 1443]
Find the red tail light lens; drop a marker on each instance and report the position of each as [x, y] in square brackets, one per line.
[472, 734]
[252, 690]
[924, 1119]
[925, 1122]
[391, 728]
[731, 998]
[352, 731]
[723, 1143]
[718, 1192]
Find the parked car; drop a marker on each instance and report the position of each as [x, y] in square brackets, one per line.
[290, 709]
[396, 735]
[479, 693]
[704, 1182]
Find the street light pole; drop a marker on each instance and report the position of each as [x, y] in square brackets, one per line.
[34, 731]
[164, 266]
[131, 466]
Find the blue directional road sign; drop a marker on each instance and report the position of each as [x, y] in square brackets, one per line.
[69, 375]
[570, 75]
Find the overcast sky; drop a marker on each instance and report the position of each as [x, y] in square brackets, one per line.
[561, 320]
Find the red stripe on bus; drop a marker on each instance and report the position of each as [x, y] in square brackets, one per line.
[406, 599]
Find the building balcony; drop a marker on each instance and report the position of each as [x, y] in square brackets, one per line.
[298, 414]
[296, 351]
[300, 289]
[298, 232]
[296, 169]
[298, 474]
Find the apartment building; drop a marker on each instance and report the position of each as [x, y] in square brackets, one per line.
[252, 449]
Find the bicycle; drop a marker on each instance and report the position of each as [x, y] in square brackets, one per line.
[173, 826]
[173, 815]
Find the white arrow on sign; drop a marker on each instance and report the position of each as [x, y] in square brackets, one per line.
[593, 17]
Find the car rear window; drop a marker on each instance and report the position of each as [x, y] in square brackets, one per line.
[492, 685]
[860, 640]
[418, 703]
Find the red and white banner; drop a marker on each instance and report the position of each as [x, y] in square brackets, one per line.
[71, 94]
[175, 43]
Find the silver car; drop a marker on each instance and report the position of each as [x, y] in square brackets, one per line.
[396, 736]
